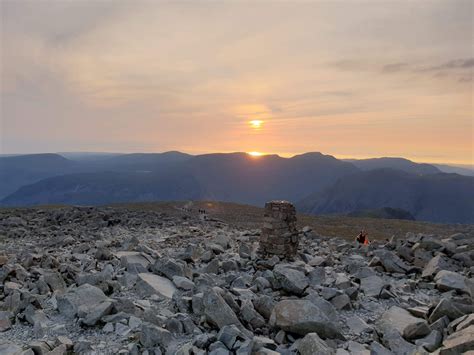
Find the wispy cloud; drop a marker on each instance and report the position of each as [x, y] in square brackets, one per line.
[164, 75]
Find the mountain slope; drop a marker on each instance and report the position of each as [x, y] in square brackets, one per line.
[397, 164]
[438, 197]
[20, 170]
[239, 177]
[461, 170]
[106, 187]
[234, 177]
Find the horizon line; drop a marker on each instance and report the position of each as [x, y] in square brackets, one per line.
[261, 154]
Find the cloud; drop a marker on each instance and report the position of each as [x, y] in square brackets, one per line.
[394, 67]
[164, 75]
[454, 64]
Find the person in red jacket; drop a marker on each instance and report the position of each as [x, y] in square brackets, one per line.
[362, 238]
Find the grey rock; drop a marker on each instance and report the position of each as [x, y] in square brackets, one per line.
[312, 344]
[391, 262]
[169, 268]
[219, 351]
[292, 281]
[317, 276]
[342, 281]
[212, 267]
[378, 349]
[122, 330]
[249, 315]
[152, 335]
[431, 342]
[303, 317]
[465, 322]
[96, 312]
[216, 346]
[459, 342]
[358, 325]
[82, 301]
[327, 292]
[217, 311]
[436, 264]
[357, 348]
[264, 305]
[5, 320]
[259, 342]
[341, 301]
[229, 265]
[54, 280]
[396, 343]
[325, 306]
[403, 322]
[134, 261]
[440, 324]
[150, 284]
[183, 283]
[416, 331]
[449, 280]
[228, 335]
[372, 285]
[447, 308]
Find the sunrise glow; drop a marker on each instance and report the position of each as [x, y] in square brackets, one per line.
[256, 123]
[255, 154]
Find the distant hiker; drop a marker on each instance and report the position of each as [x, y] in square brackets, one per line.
[362, 238]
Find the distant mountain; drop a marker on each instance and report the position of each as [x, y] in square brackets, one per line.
[20, 170]
[235, 177]
[395, 163]
[461, 170]
[87, 156]
[106, 187]
[384, 213]
[437, 197]
[140, 161]
[321, 183]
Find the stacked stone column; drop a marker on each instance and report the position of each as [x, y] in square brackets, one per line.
[279, 234]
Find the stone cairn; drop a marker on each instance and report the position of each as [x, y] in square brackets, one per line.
[279, 234]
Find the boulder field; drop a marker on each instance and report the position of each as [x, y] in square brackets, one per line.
[92, 280]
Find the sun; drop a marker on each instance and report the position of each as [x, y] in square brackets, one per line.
[255, 154]
[256, 124]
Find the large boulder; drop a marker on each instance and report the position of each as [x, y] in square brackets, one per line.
[86, 301]
[149, 284]
[134, 261]
[391, 262]
[290, 280]
[303, 317]
[449, 280]
[459, 342]
[54, 280]
[170, 267]
[436, 264]
[403, 322]
[217, 311]
[372, 285]
[445, 307]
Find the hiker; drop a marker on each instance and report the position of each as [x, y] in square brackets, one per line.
[362, 238]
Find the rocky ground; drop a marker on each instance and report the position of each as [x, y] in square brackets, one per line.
[117, 281]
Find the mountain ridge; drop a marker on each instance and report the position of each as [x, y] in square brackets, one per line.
[313, 180]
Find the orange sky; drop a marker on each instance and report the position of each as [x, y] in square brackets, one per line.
[351, 79]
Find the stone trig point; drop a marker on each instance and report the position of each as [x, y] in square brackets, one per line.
[279, 234]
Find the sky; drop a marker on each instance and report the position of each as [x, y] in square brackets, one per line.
[348, 78]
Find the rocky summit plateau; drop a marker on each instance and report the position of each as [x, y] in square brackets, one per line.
[117, 280]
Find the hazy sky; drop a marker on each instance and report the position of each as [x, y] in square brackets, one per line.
[348, 78]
